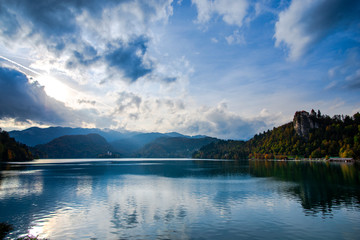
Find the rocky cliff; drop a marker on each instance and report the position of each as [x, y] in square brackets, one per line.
[303, 122]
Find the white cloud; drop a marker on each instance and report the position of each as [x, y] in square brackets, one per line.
[179, 113]
[346, 75]
[214, 40]
[204, 8]
[232, 12]
[306, 22]
[235, 38]
[291, 30]
[58, 45]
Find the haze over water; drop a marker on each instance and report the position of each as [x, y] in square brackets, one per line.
[181, 199]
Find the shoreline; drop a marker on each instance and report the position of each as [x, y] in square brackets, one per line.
[343, 160]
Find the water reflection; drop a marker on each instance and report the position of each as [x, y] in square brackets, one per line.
[179, 199]
[322, 186]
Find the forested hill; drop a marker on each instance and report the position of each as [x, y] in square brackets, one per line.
[10, 150]
[75, 146]
[309, 135]
[95, 146]
[173, 147]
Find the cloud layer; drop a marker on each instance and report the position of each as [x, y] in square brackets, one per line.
[307, 22]
[23, 101]
[231, 12]
[196, 66]
[111, 35]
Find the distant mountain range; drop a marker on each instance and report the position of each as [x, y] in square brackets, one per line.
[310, 135]
[175, 147]
[34, 136]
[64, 142]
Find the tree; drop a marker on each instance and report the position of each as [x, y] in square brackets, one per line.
[10, 150]
[336, 136]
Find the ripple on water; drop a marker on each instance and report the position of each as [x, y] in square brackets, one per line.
[148, 200]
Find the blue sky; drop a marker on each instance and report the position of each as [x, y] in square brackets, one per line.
[223, 68]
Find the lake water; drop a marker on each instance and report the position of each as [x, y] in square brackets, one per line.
[181, 199]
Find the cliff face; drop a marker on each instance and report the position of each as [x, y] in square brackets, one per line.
[304, 122]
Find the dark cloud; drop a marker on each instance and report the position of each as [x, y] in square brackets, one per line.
[329, 14]
[83, 101]
[170, 79]
[8, 23]
[134, 116]
[129, 58]
[53, 17]
[55, 21]
[25, 101]
[86, 57]
[127, 101]
[304, 24]
[57, 26]
[353, 81]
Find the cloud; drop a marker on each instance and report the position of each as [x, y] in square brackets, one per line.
[127, 102]
[22, 100]
[129, 58]
[306, 22]
[204, 10]
[26, 102]
[354, 80]
[84, 101]
[214, 40]
[51, 22]
[8, 23]
[346, 75]
[86, 57]
[232, 12]
[76, 35]
[235, 38]
[220, 122]
[170, 79]
[142, 113]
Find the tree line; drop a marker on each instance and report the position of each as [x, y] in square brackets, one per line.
[10, 150]
[337, 136]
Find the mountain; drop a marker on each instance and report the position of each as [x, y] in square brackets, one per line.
[173, 147]
[139, 145]
[128, 146]
[75, 146]
[125, 143]
[309, 135]
[34, 136]
[10, 150]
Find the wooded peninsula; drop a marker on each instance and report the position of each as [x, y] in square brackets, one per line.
[309, 135]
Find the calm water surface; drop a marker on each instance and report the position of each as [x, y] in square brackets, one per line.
[181, 199]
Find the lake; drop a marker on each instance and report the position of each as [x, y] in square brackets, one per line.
[181, 199]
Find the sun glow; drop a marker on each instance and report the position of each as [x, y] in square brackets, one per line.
[55, 88]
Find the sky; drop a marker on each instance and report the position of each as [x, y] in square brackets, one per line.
[222, 68]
